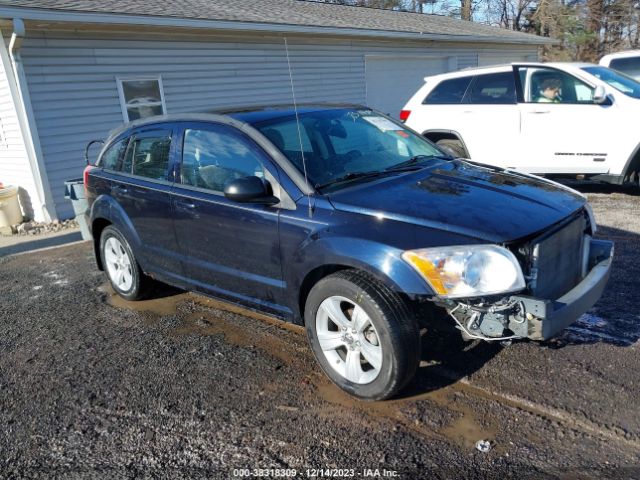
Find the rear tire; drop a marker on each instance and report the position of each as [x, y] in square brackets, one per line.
[362, 334]
[121, 267]
[455, 147]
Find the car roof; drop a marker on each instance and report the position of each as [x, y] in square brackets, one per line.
[505, 67]
[258, 114]
[625, 54]
[234, 116]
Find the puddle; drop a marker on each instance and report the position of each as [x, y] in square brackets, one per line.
[460, 427]
[205, 322]
[590, 320]
[591, 328]
[160, 306]
[463, 429]
[208, 323]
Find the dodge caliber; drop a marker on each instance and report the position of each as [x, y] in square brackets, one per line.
[345, 221]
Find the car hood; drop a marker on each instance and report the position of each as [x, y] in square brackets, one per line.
[485, 203]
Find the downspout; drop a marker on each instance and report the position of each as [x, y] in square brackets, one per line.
[28, 123]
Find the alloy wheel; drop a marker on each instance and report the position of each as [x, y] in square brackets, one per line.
[349, 340]
[119, 265]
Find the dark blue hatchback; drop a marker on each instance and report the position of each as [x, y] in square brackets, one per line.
[346, 221]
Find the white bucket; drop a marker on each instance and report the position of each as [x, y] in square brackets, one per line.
[10, 213]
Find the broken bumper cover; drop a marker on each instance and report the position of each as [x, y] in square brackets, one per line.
[545, 318]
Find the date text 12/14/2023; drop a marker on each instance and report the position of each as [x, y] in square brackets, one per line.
[315, 473]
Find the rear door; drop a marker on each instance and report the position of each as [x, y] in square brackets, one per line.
[142, 190]
[566, 134]
[489, 121]
[229, 249]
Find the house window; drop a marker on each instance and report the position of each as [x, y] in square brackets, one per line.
[141, 97]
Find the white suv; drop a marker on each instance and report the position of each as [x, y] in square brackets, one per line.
[626, 62]
[562, 119]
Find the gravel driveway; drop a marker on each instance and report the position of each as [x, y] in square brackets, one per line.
[185, 387]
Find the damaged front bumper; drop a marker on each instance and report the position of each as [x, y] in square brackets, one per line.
[545, 318]
[522, 316]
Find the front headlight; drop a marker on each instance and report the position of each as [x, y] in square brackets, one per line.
[592, 218]
[467, 271]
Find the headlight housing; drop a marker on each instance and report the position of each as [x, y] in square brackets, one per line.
[592, 218]
[467, 271]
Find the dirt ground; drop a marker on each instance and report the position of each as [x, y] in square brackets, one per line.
[185, 387]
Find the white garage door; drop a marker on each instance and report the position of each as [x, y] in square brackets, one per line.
[391, 81]
[488, 59]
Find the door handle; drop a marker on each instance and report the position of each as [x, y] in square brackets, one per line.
[185, 205]
[538, 112]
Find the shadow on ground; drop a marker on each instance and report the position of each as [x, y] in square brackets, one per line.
[37, 244]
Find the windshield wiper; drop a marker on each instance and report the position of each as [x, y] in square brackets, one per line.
[415, 160]
[407, 165]
[352, 176]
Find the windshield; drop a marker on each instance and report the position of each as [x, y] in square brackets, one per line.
[345, 144]
[617, 80]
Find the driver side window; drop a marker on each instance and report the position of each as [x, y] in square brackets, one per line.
[211, 158]
[548, 85]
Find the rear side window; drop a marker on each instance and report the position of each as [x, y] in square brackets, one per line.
[110, 159]
[448, 91]
[630, 66]
[211, 158]
[493, 88]
[148, 155]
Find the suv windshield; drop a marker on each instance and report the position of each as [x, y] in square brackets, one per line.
[617, 80]
[342, 145]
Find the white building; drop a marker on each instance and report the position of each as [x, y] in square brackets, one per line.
[71, 70]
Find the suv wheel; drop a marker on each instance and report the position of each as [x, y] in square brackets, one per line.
[362, 334]
[120, 265]
[454, 147]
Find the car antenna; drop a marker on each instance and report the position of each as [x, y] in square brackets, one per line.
[295, 109]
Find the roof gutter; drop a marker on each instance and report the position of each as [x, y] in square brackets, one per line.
[50, 15]
[28, 123]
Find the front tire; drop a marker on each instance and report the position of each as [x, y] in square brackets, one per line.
[362, 334]
[121, 267]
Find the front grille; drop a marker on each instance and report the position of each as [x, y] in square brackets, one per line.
[556, 260]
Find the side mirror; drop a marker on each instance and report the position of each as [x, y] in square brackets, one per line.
[599, 95]
[250, 190]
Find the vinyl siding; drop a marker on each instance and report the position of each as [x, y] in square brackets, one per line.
[72, 79]
[14, 162]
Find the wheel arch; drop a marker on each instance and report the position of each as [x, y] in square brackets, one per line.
[439, 134]
[631, 170]
[97, 226]
[106, 211]
[376, 260]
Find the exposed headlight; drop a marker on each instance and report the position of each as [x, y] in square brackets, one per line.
[592, 218]
[467, 271]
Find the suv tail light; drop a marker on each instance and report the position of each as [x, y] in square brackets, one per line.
[85, 177]
[404, 115]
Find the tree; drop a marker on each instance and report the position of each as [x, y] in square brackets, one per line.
[584, 29]
[465, 10]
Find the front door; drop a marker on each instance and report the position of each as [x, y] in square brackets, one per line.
[562, 129]
[229, 249]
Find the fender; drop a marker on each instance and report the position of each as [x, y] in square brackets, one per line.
[107, 208]
[382, 261]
